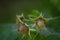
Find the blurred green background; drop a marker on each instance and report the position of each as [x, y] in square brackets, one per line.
[9, 9]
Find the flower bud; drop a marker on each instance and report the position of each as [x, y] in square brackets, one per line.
[40, 22]
[24, 29]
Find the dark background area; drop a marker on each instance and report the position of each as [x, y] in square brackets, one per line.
[9, 8]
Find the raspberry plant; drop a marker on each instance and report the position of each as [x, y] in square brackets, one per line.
[38, 26]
